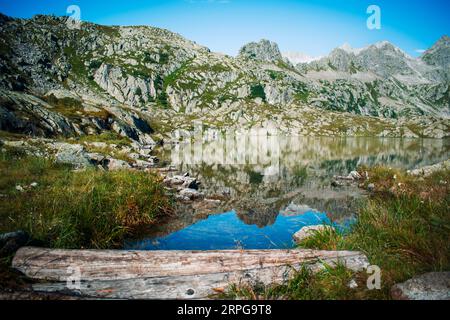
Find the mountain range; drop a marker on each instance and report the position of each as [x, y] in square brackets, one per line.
[145, 83]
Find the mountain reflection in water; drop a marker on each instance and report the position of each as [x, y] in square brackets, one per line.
[268, 175]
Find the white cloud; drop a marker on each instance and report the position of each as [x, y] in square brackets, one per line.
[299, 57]
[420, 50]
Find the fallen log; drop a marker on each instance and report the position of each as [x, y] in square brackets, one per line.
[117, 274]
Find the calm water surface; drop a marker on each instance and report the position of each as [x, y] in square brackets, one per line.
[274, 186]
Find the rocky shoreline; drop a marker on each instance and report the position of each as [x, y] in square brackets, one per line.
[133, 157]
[186, 189]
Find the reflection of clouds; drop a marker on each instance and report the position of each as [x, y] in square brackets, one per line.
[249, 149]
[270, 153]
[295, 210]
[261, 167]
[293, 195]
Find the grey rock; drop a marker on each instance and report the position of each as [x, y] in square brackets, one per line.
[353, 284]
[355, 175]
[309, 231]
[263, 50]
[73, 154]
[429, 170]
[143, 164]
[429, 286]
[192, 194]
[96, 158]
[116, 164]
[124, 87]
[439, 55]
[22, 113]
[182, 198]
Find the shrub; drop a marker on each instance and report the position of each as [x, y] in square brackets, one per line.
[95, 64]
[257, 91]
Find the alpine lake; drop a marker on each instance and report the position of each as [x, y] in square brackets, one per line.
[260, 190]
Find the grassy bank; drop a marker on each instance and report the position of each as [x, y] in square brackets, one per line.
[67, 209]
[404, 228]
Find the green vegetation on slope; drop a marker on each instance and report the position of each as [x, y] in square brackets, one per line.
[257, 91]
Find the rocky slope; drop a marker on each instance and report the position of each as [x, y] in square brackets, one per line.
[59, 81]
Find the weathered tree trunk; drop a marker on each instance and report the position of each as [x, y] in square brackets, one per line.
[168, 274]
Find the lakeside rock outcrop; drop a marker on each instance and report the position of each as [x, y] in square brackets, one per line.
[429, 170]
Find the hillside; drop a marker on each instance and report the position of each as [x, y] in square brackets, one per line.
[144, 83]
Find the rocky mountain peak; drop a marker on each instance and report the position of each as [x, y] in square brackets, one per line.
[385, 48]
[349, 49]
[444, 41]
[4, 18]
[264, 50]
[439, 53]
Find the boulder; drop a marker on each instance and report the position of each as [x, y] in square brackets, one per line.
[355, 175]
[183, 182]
[134, 156]
[116, 164]
[429, 170]
[73, 154]
[429, 286]
[96, 158]
[141, 164]
[191, 194]
[11, 242]
[145, 151]
[309, 231]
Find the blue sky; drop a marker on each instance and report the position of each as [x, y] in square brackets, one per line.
[314, 27]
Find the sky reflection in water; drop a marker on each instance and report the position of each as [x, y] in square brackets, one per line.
[227, 231]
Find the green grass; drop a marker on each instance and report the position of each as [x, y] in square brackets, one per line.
[112, 32]
[11, 136]
[302, 96]
[86, 209]
[109, 137]
[302, 93]
[276, 75]
[77, 66]
[331, 283]
[68, 107]
[404, 228]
